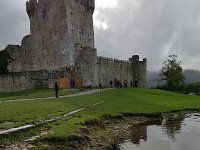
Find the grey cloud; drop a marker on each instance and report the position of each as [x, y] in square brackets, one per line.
[14, 23]
[153, 29]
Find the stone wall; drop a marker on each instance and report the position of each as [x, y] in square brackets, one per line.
[19, 81]
[12, 83]
[143, 73]
[89, 68]
[133, 70]
[86, 61]
[22, 56]
[110, 69]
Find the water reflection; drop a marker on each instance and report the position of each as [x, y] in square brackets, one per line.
[175, 132]
[171, 125]
[139, 133]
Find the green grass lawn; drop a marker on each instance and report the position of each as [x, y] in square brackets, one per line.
[115, 102]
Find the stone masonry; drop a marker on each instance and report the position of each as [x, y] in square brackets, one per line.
[57, 27]
[62, 36]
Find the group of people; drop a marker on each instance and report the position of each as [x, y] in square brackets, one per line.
[124, 83]
[116, 83]
[90, 85]
[100, 85]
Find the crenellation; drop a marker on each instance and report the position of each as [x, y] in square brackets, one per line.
[31, 7]
[117, 61]
[89, 5]
[144, 59]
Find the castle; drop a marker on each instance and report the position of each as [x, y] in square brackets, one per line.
[61, 45]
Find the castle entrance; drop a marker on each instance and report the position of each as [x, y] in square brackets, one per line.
[64, 83]
[78, 83]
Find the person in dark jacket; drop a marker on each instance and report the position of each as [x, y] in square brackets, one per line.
[100, 85]
[56, 87]
[111, 83]
[115, 82]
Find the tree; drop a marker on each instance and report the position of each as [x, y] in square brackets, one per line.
[5, 59]
[171, 74]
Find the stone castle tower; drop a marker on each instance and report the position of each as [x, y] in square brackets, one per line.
[62, 38]
[57, 29]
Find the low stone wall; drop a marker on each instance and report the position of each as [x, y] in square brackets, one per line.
[12, 83]
[19, 81]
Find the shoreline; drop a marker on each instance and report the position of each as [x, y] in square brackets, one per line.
[105, 133]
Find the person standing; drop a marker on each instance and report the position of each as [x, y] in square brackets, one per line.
[111, 83]
[118, 84]
[131, 83]
[56, 87]
[90, 85]
[100, 85]
[124, 83]
[115, 82]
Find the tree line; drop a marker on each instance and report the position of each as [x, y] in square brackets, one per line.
[5, 60]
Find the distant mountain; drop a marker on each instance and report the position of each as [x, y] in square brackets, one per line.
[191, 76]
[151, 78]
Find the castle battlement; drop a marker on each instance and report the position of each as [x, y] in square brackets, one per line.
[33, 5]
[89, 4]
[30, 7]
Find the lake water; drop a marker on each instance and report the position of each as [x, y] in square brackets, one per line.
[176, 132]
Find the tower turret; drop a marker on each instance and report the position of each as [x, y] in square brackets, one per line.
[139, 69]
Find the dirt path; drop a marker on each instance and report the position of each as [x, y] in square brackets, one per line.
[49, 98]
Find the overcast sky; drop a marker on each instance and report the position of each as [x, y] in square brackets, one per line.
[152, 29]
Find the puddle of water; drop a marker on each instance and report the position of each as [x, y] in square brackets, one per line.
[177, 132]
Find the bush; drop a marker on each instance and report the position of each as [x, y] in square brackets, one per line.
[193, 88]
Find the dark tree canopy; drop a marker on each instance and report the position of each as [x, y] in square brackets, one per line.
[5, 59]
[171, 74]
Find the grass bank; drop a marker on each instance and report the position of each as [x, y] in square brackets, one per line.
[115, 103]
